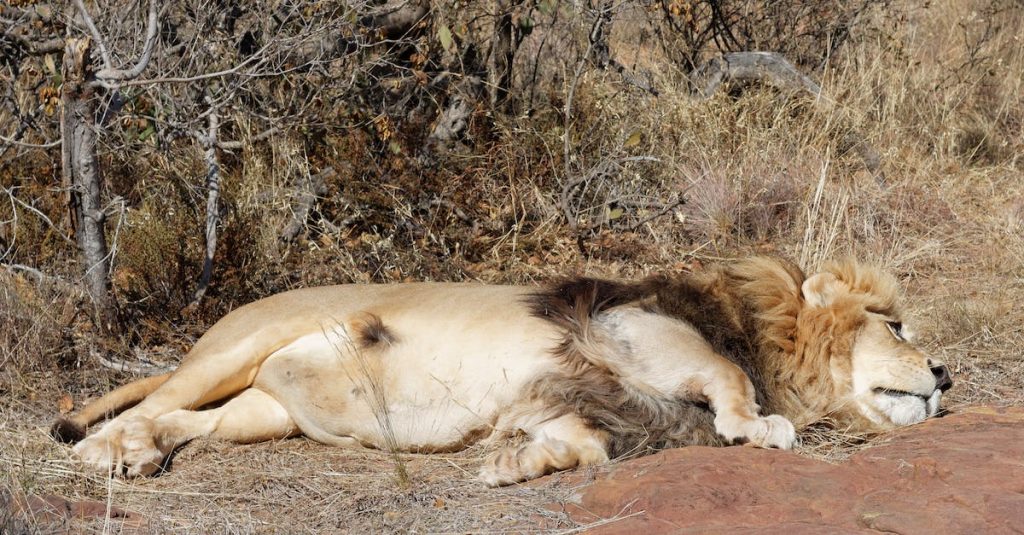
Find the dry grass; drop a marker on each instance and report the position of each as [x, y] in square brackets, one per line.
[295, 485]
[762, 172]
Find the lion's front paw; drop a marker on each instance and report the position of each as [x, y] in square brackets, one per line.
[502, 469]
[773, 431]
[125, 447]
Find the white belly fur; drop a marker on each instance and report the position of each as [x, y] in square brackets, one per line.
[444, 380]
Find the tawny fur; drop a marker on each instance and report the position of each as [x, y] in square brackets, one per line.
[750, 312]
[589, 369]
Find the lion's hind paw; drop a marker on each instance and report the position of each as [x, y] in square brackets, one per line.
[122, 447]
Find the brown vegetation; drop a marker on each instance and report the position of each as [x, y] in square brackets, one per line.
[599, 157]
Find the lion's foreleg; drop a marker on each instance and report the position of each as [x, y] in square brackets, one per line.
[559, 444]
[731, 395]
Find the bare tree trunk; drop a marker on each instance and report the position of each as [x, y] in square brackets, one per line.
[212, 204]
[502, 56]
[81, 175]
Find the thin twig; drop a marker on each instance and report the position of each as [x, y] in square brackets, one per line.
[9, 141]
[188, 79]
[95, 32]
[235, 145]
[34, 210]
[668, 208]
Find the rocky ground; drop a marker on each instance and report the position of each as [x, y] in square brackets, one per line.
[960, 474]
[963, 473]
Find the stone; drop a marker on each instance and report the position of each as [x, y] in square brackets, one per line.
[958, 474]
[54, 511]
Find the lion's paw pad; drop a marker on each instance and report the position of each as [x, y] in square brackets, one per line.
[773, 431]
[126, 447]
[501, 469]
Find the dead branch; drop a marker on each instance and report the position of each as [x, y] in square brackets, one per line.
[138, 368]
[38, 213]
[236, 145]
[752, 67]
[109, 73]
[37, 48]
[504, 45]
[397, 18]
[212, 204]
[206, 76]
[310, 190]
[774, 69]
[570, 182]
[43, 278]
[97, 37]
[16, 143]
[668, 208]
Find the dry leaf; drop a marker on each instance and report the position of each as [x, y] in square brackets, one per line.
[633, 139]
[65, 404]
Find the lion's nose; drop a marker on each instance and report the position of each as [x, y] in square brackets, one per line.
[942, 379]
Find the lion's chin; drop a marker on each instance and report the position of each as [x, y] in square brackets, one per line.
[900, 410]
[933, 402]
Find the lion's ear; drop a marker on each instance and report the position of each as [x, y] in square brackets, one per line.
[821, 289]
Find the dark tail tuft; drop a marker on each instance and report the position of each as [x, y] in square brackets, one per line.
[67, 431]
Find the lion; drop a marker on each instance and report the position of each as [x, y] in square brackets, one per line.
[748, 351]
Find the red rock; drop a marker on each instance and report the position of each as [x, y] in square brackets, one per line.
[959, 474]
[51, 511]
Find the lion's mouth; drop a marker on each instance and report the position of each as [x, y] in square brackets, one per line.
[901, 393]
[931, 401]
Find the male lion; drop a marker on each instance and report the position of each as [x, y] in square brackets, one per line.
[748, 351]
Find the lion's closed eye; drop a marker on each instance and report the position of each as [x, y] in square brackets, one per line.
[896, 328]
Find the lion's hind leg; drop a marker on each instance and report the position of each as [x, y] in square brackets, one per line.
[559, 444]
[140, 444]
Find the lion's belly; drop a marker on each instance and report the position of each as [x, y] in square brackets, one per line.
[443, 382]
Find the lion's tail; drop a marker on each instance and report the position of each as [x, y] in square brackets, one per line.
[72, 429]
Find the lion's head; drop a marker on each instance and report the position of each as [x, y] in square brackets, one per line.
[850, 314]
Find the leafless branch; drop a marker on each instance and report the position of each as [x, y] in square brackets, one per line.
[206, 76]
[34, 210]
[235, 145]
[9, 141]
[43, 278]
[665, 210]
[110, 74]
[138, 368]
[37, 48]
[95, 32]
[39, 275]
